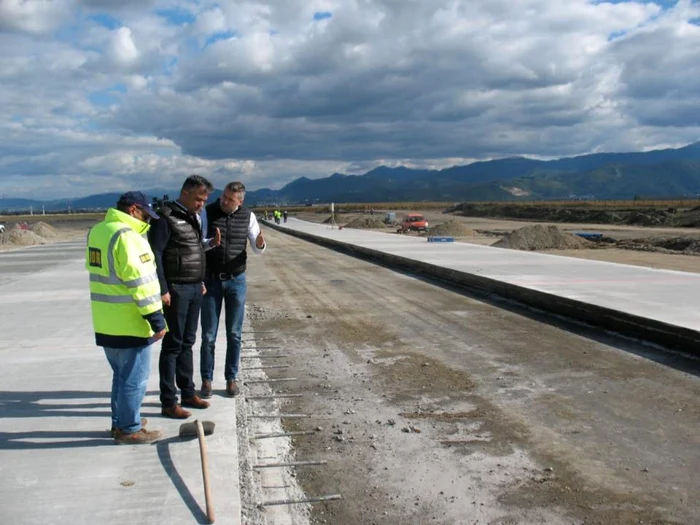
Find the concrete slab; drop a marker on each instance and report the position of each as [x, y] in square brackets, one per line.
[669, 298]
[58, 463]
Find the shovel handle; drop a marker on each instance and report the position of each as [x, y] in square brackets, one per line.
[205, 471]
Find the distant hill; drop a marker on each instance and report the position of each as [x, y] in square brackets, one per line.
[667, 172]
[658, 173]
[24, 204]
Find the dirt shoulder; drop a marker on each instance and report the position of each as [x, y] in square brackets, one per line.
[432, 407]
[678, 214]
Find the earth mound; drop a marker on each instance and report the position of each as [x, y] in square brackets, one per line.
[452, 228]
[366, 222]
[540, 237]
[673, 245]
[21, 238]
[44, 230]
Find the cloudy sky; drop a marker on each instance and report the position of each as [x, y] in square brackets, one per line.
[105, 95]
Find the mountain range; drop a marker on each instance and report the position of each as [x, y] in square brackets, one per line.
[651, 174]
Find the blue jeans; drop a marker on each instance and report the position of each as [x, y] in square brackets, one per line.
[131, 368]
[175, 364]
[231, 294]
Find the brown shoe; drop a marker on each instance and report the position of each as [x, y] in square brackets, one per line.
[195, 402]
[175, 412]
[113, 430]
[140, 437]
[232, 388]
[206, 389]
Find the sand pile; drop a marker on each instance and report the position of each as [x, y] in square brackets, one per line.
[21, 238]
[452, 228]
[540, 237]
[366, 222]
[44, 230]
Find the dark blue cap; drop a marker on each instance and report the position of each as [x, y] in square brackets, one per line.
[138, 198]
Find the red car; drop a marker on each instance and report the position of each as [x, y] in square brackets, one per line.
[413, 222]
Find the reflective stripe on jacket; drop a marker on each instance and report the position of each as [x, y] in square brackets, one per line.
[123, 282]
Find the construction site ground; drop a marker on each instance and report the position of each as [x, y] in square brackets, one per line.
[439, 408]
[431, 406]
[487, 231]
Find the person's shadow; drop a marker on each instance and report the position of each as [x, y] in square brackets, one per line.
[55, 404]
[67, 404]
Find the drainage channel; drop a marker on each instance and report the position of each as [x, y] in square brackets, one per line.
[272, 462]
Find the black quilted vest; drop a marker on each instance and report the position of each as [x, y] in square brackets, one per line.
[183, 258]
[230, 256]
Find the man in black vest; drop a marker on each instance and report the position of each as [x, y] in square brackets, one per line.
[179, 246]
[226, 282]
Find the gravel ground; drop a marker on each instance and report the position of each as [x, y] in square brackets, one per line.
[433, 407]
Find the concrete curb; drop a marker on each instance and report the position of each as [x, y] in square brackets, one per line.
[617, 321]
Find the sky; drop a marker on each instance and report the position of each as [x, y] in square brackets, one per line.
[115, 95]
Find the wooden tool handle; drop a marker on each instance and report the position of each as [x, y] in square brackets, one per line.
[205, 471]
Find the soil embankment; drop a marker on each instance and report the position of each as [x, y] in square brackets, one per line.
[25, 233]
[538, 237]
[671, 217]
[22, 234]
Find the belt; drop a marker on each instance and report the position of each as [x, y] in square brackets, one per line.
[223, 276]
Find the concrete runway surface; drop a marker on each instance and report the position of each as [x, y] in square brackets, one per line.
[58, 463]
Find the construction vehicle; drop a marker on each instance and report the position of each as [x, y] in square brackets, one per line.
[413, 222]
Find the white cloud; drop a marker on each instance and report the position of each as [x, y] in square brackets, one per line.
[262, 91]
[33, 16]
[122, 48]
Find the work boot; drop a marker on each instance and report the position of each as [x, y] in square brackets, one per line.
[113, 430]
[175, 412]
[195, 402]
[232, 388]
[140, 437]
[206, 389]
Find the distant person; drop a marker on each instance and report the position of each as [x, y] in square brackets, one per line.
[226, 282]
[284, 214]
[179, 245]
[126, 309]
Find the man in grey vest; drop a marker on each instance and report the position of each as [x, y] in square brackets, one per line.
[226, 282]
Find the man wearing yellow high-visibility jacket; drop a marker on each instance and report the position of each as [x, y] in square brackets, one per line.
[127, 312]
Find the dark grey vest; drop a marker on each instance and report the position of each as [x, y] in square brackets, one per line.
[231, 256]
[183, 258]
